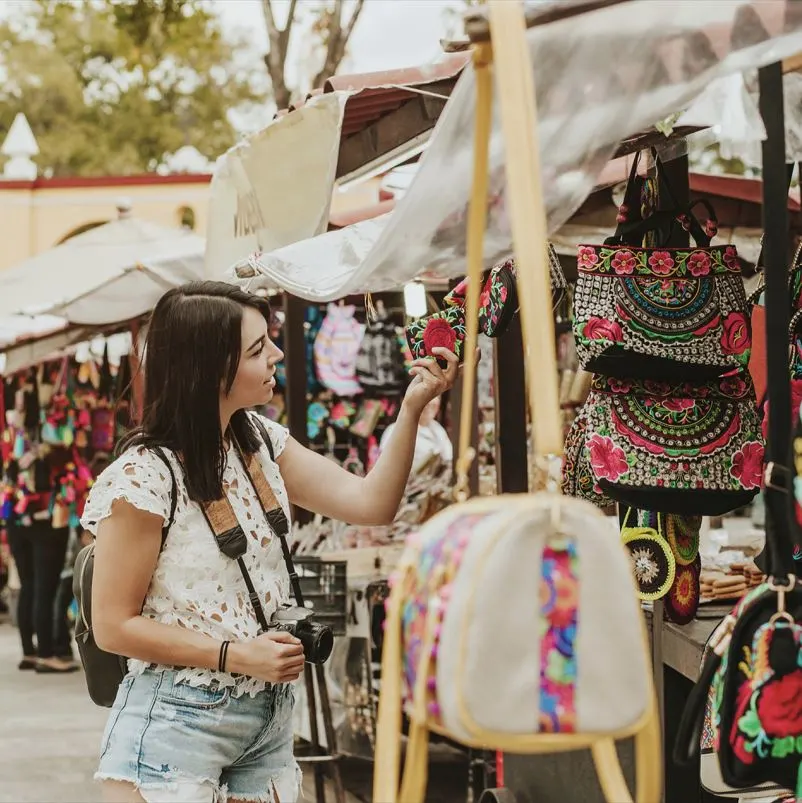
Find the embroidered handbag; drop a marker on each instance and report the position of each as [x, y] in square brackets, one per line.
[499, 609]
[710, 772]
[678, 314]
[694, 449]
[752, 680]
[498, 301]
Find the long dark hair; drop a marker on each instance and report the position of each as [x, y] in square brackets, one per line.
[193, 349]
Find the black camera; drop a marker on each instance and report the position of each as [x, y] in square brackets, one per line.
[317, 639]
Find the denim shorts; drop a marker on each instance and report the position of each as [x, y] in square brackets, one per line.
[180, 744]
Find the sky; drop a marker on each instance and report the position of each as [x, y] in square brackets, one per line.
[388, 34]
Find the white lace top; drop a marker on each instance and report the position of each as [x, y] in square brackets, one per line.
[194, 585]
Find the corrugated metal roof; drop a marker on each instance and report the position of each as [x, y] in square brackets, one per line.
[379, 93]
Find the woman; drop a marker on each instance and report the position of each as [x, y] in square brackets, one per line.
[180, 730]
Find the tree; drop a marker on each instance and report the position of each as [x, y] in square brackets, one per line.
[331, 26]
[112, 86]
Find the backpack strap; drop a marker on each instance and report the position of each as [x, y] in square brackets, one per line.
[265, 435]
[173, 493]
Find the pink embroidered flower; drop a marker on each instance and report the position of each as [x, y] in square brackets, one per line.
[586, 257]
[699, 263]
[733, 386]
[731, 258]
[678, 405]
[619, 385]
[607, 460]
[747, 465]
[602, 329]
[484, 296]
[624, 262]
[735, 337]
[661, 262]
[502, 294]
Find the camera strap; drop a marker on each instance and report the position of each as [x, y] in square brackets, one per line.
[230, 536]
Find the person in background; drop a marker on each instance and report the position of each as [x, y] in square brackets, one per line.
[432, 439]
[38, 552]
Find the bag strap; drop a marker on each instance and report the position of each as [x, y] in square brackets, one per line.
[159, 452]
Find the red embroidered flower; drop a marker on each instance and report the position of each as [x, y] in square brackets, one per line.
[602, 329]
[733, 386]
[502, 293]
[607, 460]
[735, 336]
[779, 706]
[624, 262]
[657, 388]
[484, 296]
[678, 405]
[619, 385]
[661, 262]
[699, 263]
[747, 465]
[731, 258]
[586, 257]
[438, 333]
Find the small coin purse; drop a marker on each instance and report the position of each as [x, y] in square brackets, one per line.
[445, 328]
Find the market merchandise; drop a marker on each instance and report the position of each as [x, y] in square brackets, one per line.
[675, 314]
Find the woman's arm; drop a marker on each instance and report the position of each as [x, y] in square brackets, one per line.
[126, 553]
[318, 484]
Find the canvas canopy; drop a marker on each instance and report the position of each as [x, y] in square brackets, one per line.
[601, 77]
[112, 273]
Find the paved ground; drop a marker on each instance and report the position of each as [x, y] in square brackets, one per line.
[50, 734]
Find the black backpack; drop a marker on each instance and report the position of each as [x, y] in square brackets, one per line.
[105, 671]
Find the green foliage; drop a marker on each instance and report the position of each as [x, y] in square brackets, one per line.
[112, 86]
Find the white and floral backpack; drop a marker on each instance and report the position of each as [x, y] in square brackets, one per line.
[513, 621]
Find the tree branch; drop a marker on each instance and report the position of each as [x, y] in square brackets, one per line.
[338, 38]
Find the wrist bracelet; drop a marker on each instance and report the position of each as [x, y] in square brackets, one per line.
[221, 662]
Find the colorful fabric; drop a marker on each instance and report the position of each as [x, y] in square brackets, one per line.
[428, 584]
[336, 348]
[559, 621]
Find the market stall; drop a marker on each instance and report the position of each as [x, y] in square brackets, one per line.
[364, 257]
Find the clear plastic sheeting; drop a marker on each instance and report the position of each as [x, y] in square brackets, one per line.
[601, 77]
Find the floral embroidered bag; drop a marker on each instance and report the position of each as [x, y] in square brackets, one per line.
[694, 449]
[678, 314]
[500, 606]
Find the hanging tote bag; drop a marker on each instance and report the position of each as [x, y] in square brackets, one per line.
[695, 449]
[497, 609]
[678, 314]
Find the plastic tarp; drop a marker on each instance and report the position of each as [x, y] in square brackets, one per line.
[110, 274]
[601, 77]
[274, 187]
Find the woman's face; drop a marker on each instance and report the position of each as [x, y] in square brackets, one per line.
[255, 379]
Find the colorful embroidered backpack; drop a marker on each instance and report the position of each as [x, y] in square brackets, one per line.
[498, 621]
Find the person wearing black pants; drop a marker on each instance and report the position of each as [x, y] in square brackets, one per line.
[39, 552]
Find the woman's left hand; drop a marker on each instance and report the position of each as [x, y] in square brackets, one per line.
[429, 379]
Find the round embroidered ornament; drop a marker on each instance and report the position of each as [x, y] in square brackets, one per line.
[682, 533]
[682, 601]
[652, 561]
